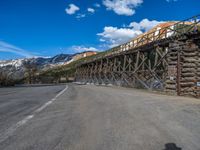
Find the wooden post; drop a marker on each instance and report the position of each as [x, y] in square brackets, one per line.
[178, 73]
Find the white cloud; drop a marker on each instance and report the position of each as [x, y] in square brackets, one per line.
[91, 10]
[72, 9]
[80, 16]
[171, 1]
[114, 36]
[5, 47]
[144, 25]
[97, 5]
[81, 48]
[122, 7]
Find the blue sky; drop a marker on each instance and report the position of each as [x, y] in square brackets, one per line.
[48, 27]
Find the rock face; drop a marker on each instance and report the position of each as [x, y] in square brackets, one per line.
[16, 68]
[13, 68]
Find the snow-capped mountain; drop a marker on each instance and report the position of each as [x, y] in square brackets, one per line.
[39, 61]
[13, 68]
[16, 68]
[17, 63]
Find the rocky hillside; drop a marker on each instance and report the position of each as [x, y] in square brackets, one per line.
[16, 69]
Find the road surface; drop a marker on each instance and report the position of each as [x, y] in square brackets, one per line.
[88, 117]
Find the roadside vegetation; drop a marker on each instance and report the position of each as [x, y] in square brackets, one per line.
[6, 80]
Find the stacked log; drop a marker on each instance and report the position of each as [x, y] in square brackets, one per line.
[189, 58]
[171, 80]
[190, 68]
[197, 92]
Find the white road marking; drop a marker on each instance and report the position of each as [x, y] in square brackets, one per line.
[43, 106]
[13, 128]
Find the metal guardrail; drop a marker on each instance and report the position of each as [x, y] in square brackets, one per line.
[177, 28]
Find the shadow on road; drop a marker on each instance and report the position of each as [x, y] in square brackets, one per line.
[171, 146]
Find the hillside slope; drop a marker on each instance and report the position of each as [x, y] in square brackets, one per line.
[16, 69]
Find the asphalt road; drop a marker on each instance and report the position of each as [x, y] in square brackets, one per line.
[87, 117]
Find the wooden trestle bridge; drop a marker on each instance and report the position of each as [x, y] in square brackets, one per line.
[165, 59]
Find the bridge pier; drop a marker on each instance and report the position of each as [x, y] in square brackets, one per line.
[183, 70]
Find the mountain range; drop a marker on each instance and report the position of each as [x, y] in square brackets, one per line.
[16, 69]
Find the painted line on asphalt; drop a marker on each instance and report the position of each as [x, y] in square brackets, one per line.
[51, 101]
[12, 129]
